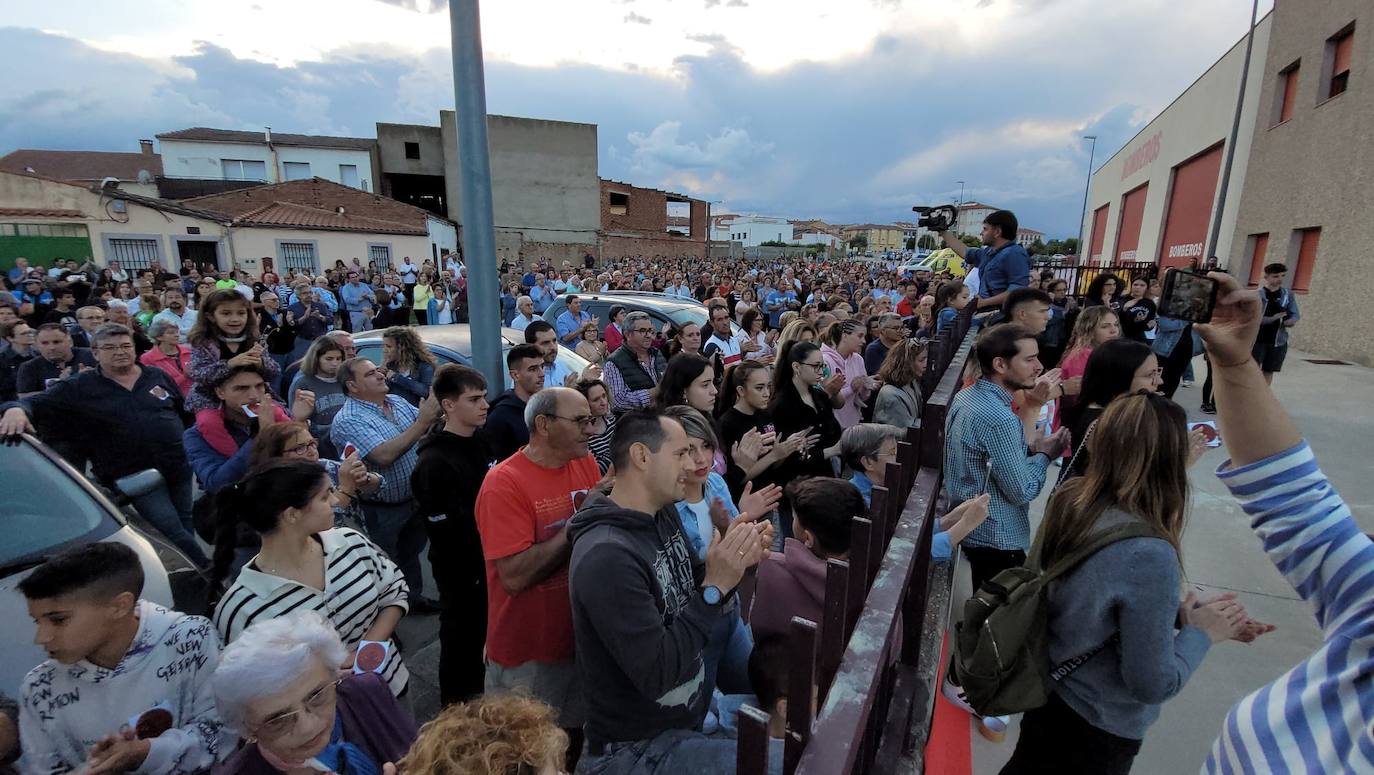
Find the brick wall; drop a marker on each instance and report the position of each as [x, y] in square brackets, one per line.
[642, 229]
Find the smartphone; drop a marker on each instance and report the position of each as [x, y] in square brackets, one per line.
[1188, 296]
[1209, 431]
[348, 450]
[248, 410]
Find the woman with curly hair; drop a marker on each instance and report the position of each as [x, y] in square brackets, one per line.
[495, 735]
[410, 363]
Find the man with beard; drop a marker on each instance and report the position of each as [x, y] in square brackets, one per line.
[1002, 264]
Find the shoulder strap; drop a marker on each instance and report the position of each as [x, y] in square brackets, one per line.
[1096, 543]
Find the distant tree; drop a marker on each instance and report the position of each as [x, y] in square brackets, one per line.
[927, 242]
[971, 240]
[1037, 247]
[1070, 246]
[859, 242]
[773, 243]
[1054, 246]
[910, 243]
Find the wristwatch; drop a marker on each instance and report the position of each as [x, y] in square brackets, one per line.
[712, 595]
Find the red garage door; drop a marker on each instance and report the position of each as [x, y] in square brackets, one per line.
[1099, 233]
[1190, 209]
[1132, 213]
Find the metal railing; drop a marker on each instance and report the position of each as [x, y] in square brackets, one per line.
[1080, 276]
[872, 663]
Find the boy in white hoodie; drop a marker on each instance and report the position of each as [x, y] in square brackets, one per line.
[126, 687]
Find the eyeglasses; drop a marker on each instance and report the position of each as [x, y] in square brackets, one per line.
[284, 724]
[816, 365]
[642, 331]
[299, 448]
[582, 422]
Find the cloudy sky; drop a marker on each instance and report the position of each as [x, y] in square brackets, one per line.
[848, 110]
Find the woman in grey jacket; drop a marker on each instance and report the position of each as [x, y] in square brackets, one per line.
[1119, 610]
[899, 401]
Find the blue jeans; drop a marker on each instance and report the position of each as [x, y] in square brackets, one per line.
[168, 508]
[398, 531]
[673, 751]
[726, 658]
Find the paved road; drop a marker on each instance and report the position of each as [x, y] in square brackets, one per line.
[1332, 408]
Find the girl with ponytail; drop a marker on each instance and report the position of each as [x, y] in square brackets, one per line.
[290, 504]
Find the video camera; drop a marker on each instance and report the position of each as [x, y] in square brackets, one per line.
[937, 219]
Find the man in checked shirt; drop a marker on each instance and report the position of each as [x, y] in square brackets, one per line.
[986, 450]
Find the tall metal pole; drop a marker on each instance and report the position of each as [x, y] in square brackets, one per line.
[474, 180]
[1083, 213]
[1231, 141]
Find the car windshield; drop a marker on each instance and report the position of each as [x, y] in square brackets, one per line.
[570, 360]
[44, 507]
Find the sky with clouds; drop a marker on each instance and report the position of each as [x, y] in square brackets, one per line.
[847, 110]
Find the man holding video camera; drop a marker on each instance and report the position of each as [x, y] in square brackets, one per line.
[1003, 265]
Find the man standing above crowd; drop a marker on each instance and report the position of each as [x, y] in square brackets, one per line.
[540, 294]
[777, 301]
[410, 273]
[522, 514]
[125, 419]
[1002, 264]
[644, 608]
[385, 430]
[634, 369]
[506, 430]
[1280, 314]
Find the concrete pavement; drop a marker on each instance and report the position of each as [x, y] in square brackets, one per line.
[1333, 407]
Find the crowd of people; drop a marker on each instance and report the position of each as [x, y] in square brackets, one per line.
[616, 554]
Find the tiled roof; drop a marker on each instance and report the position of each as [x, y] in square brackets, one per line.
[81, 165]
[206, 134]
[286, 214]
[166, 205]
[39, 212]
[316, 194]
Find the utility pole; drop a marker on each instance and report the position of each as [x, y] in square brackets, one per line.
[1231, 142]
[1083, 213]
[474, 181]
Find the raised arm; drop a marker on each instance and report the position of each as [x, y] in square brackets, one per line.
[1307, 530]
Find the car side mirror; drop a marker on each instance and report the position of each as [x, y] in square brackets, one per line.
[139, 484]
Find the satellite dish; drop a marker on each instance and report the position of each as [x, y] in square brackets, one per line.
[109, 182]
[145, 177]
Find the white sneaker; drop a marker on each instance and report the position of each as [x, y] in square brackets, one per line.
[993, 728]
[1186, 383]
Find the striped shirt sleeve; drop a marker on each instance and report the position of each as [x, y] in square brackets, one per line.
[1317, 717]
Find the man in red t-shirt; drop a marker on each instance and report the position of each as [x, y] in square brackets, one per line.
[522, 514]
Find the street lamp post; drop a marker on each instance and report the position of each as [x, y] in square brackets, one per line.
[1231, 141]
[474, 177]
[1083, 214]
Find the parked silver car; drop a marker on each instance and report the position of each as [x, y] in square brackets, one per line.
[49, 507]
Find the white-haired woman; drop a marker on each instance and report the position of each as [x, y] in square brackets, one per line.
[277, 685]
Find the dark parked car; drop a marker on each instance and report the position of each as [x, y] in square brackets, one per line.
[662, 307]
[453, 344]
[49, 507]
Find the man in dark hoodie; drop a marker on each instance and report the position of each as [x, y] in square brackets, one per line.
[506, 430]
[451, 467]
[644, 607]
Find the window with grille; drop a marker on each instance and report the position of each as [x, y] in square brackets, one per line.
[132, 253]
[299, 256]
[381, 255]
